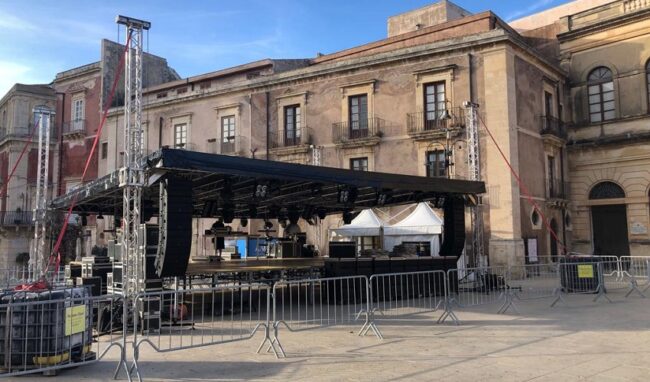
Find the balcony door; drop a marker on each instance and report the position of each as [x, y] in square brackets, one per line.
[358, 118]
[434, 105]
[227, 134]
[292, 121]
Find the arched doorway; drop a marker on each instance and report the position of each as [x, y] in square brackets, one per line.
[609, 221]
[554, 249]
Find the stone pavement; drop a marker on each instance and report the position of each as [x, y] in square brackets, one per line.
[580, 340]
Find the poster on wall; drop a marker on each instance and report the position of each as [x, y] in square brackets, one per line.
[531, 245]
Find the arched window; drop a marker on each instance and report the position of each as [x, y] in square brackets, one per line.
[601, 95]
[606, 190]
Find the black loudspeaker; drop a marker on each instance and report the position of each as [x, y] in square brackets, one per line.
[453, 240]
[175, 227]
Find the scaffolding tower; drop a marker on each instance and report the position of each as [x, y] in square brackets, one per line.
[132, 174]
[38, 255]
[474, 169]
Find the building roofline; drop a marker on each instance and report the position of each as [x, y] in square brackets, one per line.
[78, 71]
[36, 89]
[491, 37]
[403, 36]
[259, 64]
[428, 6]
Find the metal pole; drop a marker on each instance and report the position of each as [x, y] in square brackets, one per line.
[474, 169]
[38, 253]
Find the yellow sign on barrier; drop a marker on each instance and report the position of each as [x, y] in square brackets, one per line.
[75, 319]
[585, 271]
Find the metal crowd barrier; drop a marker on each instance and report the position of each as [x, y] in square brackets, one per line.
[403, 296]
[582, 278]
[184, 319]
[43, 332]
[635, 272]
[478, 286]
[308, 304]
[534, 281]
[13, 276]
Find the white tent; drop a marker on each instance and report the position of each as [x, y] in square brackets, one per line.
[422, 225]
[365, 224]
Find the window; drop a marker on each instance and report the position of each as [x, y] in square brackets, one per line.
[434, 104]
[104, 150]
[228, 128]
[606, 190]
[601, 95]
[436, 164]
[292, 121]
[359, 164]
[77, 114]
[180, 136]
[358, 117]
[548, 104]
[228, 134]
[78, 110]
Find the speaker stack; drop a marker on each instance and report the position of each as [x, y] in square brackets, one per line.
[175, 231]
[453, 240]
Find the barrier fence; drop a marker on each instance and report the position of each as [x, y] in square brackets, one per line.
[11, 277]
[184, 319]
[44, 332]
[301, 305]
[404, 296]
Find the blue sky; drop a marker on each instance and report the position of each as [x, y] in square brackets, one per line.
[40, 38]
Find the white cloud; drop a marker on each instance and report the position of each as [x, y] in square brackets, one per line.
[13, 72]
[14, 23]
[529, 9]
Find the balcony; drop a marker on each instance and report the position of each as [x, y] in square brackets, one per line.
[366, 132]
[426, 125]
[290, 142]
[232, 145]
[557, 189]
[16, 132]
[553, 127]
[75, 128]
[15, 218]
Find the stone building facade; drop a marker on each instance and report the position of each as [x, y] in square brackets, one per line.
[18, 199]
[77, 96]
[605, 50]
[386, 106]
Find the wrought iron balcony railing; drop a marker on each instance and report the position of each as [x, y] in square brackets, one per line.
[74, 127]
[557, 189]
[347, 131]
[233, 145]
[426, 121]
[22, 132]
[552, 126]
[15, 218]
[290, 138]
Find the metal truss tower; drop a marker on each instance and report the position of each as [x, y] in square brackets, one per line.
[132, 174]
[474, 169]
[39, 254]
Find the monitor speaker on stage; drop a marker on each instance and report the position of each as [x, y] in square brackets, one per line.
[175, 227]
[453, 240]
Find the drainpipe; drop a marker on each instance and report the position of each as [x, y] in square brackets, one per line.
[60, 133]
[471, 77]
[268, 124]
[160, 129]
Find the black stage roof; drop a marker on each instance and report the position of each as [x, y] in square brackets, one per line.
[259, 188]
